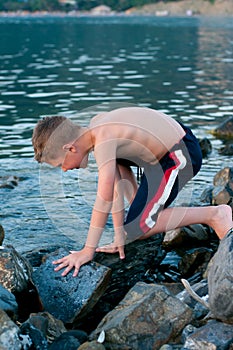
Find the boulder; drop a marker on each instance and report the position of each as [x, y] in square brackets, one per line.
[225, 129]
[8, 302]
[9, 338]
[213, 335]
[148, 317]
[70, 298]
[220, 280]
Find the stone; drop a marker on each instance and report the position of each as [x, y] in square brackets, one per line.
[70, 340]
[38, 340]
[222, 177]
[8, 302]
[206, 147]
[220, 280]
[185, 236]
[8, 181]
[213, 335]
[225, 129]
[2, 234]
[70, 298]
[227, 150]
[9, 338]
[93, 345]
[186, 262]
[15, 271]
[15, 276]
[54, 326]
[148, 317]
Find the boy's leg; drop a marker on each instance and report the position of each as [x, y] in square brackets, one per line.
[217, 217]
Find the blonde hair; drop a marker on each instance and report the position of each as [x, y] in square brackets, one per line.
[51, 134]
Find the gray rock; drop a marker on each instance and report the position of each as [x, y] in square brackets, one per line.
[220, 280]
[148, 317]
[213, 336]
[68, 298]
[8, 302]
[9, 338]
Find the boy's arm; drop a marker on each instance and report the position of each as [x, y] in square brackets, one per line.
[102, 207]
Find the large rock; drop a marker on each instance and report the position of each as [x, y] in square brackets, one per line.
[9, 339]
[220, 280]
[70, 298]
[146, 318]
[213, 335]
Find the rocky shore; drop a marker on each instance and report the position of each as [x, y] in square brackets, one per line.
[172, 292]
[162, 8]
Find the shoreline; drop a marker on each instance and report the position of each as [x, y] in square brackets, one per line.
[182, 8]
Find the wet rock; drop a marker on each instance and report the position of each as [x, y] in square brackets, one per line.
[68, 298]
[15, 276]
[185, 236]
[206, 147]
[222, 190]
[141, 256]
[8, 181]
[2, 234]
[225, 129]
[69, 341]
[148, 317]
[213, 335]
[9, 338]
[220, 280]
[8, 302]
[184, 263]
[38, 340]
[15, 271]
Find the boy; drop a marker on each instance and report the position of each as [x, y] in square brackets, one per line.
[167, 151]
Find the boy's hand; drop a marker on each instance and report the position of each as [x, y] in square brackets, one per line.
[76, 259]
[112, 248]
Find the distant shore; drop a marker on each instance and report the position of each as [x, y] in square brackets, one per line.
[177, 8]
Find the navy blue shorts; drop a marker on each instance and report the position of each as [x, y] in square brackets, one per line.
[161, 183]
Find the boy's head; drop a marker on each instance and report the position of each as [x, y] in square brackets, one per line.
[50, 135]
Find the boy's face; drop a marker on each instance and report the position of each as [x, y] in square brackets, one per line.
[70, 158]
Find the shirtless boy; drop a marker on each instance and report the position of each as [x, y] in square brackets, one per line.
[169, 155]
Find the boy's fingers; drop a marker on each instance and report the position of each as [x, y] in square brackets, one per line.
[121, 252]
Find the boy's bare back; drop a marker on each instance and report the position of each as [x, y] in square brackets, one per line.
[140, 134]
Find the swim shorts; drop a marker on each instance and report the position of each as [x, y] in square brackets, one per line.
[161, 183]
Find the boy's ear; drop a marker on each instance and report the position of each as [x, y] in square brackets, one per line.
[69, 147]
